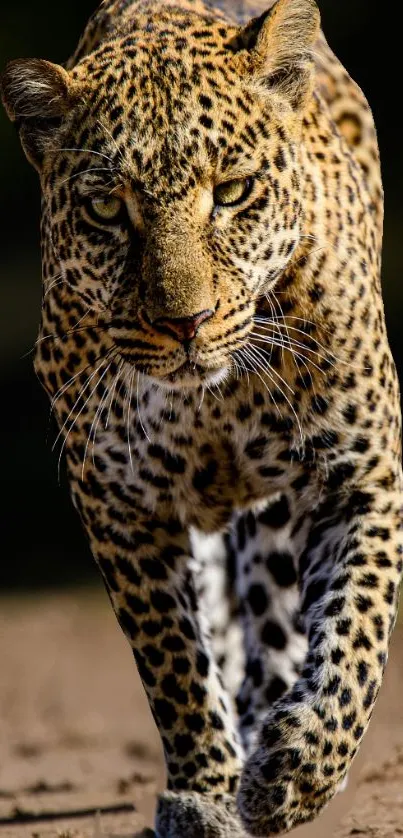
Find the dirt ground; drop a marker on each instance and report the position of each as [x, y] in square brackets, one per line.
[79, 756]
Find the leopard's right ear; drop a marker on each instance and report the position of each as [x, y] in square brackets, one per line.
[37, 96]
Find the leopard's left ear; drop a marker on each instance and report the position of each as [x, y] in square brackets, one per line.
[38, 96]
[276, 49]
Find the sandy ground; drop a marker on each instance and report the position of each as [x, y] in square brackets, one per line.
[79, 756]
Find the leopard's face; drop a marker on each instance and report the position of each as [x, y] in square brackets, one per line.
[184, 198]
[172, 194]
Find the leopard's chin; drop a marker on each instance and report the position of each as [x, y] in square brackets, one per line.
[191, 376]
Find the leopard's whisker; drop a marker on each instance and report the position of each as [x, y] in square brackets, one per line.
[245, 352]
[171, 395]
[85, 172]
[120, 154]
[291, 347]
[239, 365]
[113, 391]
[103, 401]
[328, 355]
[264, 322]
[68, 384]
[128, 418]
[62, 336]
[273, 312]
[85, 151]
[139, 409]
[217, 387]
[58, 280]
[94, 420]
[281, 322]
[259, 353]
[81, 393]
[212, 393]
[79, 413]
[203, 394]
[324, 242]
[263, 367]
[294, 317]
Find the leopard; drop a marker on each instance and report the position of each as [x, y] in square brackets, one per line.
[214, 347]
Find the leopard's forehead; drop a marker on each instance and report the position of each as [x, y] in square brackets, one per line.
[156, 60]
[168, 103]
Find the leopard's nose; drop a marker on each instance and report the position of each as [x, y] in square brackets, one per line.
[183, 329]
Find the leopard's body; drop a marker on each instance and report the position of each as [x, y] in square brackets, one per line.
[240, 484]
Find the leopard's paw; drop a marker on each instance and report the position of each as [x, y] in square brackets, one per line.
[291, 776]
[192, 815]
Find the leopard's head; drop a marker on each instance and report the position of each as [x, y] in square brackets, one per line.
[169, 164]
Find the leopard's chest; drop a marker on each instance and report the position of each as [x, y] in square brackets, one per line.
[206, 459]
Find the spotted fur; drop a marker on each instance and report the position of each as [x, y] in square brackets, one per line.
[225, 394]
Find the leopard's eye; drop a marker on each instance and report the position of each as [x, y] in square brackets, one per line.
[232, 192]
[105, 210]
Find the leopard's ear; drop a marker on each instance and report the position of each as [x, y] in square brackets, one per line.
[37, 95]
[276, 48]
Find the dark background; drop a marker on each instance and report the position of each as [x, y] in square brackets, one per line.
[41, 542]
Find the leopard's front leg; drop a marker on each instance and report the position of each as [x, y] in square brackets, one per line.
[146, 563]
[350, 573]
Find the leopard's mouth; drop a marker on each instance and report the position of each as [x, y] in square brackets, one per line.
[186, 369]
[192, 376]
